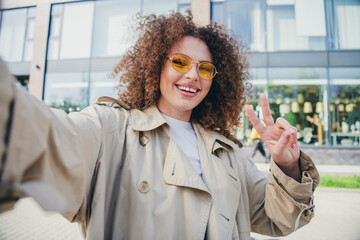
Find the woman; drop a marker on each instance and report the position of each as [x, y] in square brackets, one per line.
[161, 163]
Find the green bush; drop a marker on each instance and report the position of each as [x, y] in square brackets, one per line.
[340, 182]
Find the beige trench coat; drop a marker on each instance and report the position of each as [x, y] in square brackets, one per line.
[121, 176]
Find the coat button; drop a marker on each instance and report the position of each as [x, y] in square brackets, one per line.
[144, 140]
[144, 187]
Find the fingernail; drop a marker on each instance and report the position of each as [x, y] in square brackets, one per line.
[294, 146]
[292, 130]
[287, 135]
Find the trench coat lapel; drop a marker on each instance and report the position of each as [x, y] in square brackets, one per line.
[177, 169]
[222, 180]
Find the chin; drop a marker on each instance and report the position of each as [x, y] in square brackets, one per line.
[187, 107]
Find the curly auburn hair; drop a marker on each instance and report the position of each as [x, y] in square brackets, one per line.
[139, 70]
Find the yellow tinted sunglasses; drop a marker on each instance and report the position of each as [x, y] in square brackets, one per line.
[182, 63]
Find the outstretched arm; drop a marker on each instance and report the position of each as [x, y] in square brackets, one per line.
[280, 138]
[44, 154]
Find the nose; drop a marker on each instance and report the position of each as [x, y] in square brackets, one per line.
[192, 75]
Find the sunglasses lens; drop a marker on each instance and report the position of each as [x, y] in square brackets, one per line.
[207, 70]
[181, 63]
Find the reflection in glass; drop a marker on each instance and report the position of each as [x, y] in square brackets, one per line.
[218, 12]
[244, 19]
[113, 30]
[102, 85]
[184, 5]
[67, 91]
[289, 31]
[55, 29]
[71, 30]
[76, 30]
[159, 6]
[29, 40]
[12, 34]
[299, 95]
[29, 46]
[347, 23]
[72, 36]
[30, 28]
[17, 34]
[345, 106]
[55, 26]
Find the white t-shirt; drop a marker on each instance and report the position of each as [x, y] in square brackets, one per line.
[183, 134]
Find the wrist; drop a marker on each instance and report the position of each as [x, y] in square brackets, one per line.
[293, 170]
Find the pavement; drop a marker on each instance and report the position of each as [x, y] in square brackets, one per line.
[340, 170]
[337, 215]
[29, 221]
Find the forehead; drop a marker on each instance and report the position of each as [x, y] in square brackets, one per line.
[193, 47]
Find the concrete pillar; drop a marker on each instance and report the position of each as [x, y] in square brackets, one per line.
[37, 71]
[201, 12]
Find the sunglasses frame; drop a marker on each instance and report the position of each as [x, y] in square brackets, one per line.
[191, 62]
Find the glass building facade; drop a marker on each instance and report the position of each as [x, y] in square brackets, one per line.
[86, 39]
[16, 39]
[305, 55]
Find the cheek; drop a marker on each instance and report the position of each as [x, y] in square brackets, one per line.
[168, 77]
[207, 85]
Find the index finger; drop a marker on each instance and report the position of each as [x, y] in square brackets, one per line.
[268, 119]
[257, 124]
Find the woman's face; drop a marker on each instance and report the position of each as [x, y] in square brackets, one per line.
[173, 101]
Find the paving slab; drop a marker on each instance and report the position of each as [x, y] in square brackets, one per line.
[337, 217]
[28, 221]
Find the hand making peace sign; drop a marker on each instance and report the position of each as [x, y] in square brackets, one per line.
[280, 138]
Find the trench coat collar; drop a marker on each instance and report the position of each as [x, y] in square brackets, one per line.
[214, 140]
[151, 118]
[146, 120]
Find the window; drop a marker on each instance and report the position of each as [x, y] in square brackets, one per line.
[67, 91]
[345, 106]
[258, 85]
[347, 24]
[184, 5]
[113, 27]
[86, 40]
[274, 25]
[71, 30]
[299, 95]
[244, 19]
[17, 34]
[295, 25]
[102, 85]
[159, 6]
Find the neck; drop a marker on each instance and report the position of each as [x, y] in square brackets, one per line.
[179, 115]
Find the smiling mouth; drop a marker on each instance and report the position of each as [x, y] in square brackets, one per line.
[187, 89]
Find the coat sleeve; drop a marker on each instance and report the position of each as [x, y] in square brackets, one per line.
[45, 154]
[279, 205]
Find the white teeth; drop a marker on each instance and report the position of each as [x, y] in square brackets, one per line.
[187, 89]
[192, 90]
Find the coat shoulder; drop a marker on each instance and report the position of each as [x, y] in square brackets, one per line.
[112, 113]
